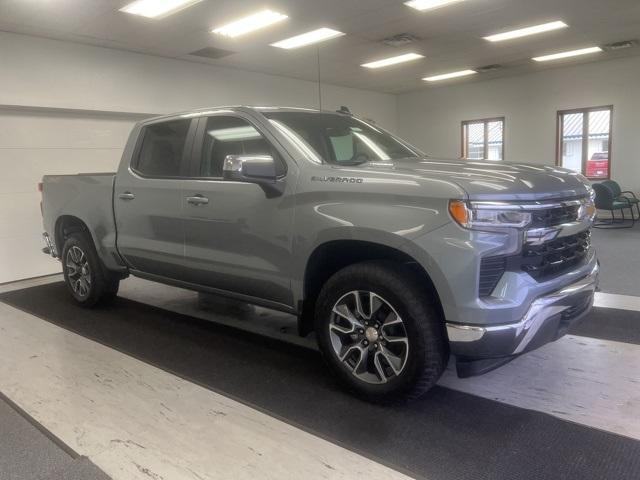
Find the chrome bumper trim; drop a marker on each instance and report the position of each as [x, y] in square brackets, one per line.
[514, 338]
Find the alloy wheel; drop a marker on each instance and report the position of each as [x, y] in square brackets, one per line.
[368, 336]
[78, 271]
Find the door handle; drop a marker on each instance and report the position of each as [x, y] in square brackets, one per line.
[198, 200]
[126, 196]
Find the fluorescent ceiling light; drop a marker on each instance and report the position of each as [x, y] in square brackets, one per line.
[446, 76]
[308, 38]
[424, 5]
[571, 53]
[250, 23]
[524, 32]
[157, 8]
[407, 57]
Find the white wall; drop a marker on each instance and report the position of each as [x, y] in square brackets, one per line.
[431, 118]
[38, 76]
[49, 73]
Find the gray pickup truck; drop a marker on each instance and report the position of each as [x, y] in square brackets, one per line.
[393, 259]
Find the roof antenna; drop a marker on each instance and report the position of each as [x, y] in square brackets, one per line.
[344, 110]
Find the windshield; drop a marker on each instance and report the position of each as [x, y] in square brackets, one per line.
[339, 139]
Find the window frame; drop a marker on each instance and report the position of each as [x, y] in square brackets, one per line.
[486, 121]
[195, 162]
[185, 161]
[585, 137]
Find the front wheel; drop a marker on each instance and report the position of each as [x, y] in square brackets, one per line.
[380, 332]
[87, 280]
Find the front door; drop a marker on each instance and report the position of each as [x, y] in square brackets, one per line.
[237, 238]
[148, 199]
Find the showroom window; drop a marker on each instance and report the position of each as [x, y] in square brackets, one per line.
[230, 136]
[483, 139]
[584, 141]
[162, 149]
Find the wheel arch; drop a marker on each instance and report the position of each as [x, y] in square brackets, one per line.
[66, 225]
[334, 255]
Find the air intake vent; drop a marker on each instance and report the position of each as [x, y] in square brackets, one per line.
[400, 40]
[212, 52]
[488, 68]
[621, 45]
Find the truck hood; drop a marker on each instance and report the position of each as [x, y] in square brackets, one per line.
[484, 180]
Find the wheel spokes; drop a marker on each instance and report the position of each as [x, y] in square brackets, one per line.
[360, 368]
[359, 308]
[368, 336]
[347, 315]
[78, 271]
[72, 268]
[403, 340]
[375, 302]
[394, 361]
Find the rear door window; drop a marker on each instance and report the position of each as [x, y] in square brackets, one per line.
[162, 151]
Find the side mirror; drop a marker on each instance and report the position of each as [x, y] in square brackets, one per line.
[258, 169]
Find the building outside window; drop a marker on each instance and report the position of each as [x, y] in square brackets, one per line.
[483, 139]
[584, 141]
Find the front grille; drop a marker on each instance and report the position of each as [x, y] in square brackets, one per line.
[554, 216]
[553, 258]
[542, 262]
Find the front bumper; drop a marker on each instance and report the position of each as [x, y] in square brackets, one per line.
[482, 348]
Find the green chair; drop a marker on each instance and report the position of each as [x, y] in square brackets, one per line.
[619, 194]
[607, 200]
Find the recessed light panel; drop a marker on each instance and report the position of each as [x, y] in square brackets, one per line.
[250, 23]
[447, 76]
[424, 5]
[525, 32]
[157, 8]
[309, 38]
[570, 53]
[385, 62]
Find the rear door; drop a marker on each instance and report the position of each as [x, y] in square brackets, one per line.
[237, 238]
[148, 198]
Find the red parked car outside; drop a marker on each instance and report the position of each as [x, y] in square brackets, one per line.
[598, 166]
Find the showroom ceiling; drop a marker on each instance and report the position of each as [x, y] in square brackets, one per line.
[450, 38]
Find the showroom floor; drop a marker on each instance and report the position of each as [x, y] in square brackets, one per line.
[145, 393]
[619, 259]
[167, 385]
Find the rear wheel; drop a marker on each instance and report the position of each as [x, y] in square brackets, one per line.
[380, 332]
[86, 278]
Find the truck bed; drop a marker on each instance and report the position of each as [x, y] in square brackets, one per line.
[89, 198]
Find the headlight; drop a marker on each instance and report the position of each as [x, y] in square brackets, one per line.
[481, 215]
[587, 208]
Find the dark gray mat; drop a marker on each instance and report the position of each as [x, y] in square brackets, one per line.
[610, 324]
[444, 435]
[81, 469]
[28, 452]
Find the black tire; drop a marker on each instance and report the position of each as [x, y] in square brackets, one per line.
[408, 298]
[80, 259]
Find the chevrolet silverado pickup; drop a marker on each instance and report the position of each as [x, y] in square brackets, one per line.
[393, 259]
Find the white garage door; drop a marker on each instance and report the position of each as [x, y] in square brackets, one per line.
[37, 143]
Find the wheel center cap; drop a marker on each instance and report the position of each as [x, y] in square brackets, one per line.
[371, 334]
